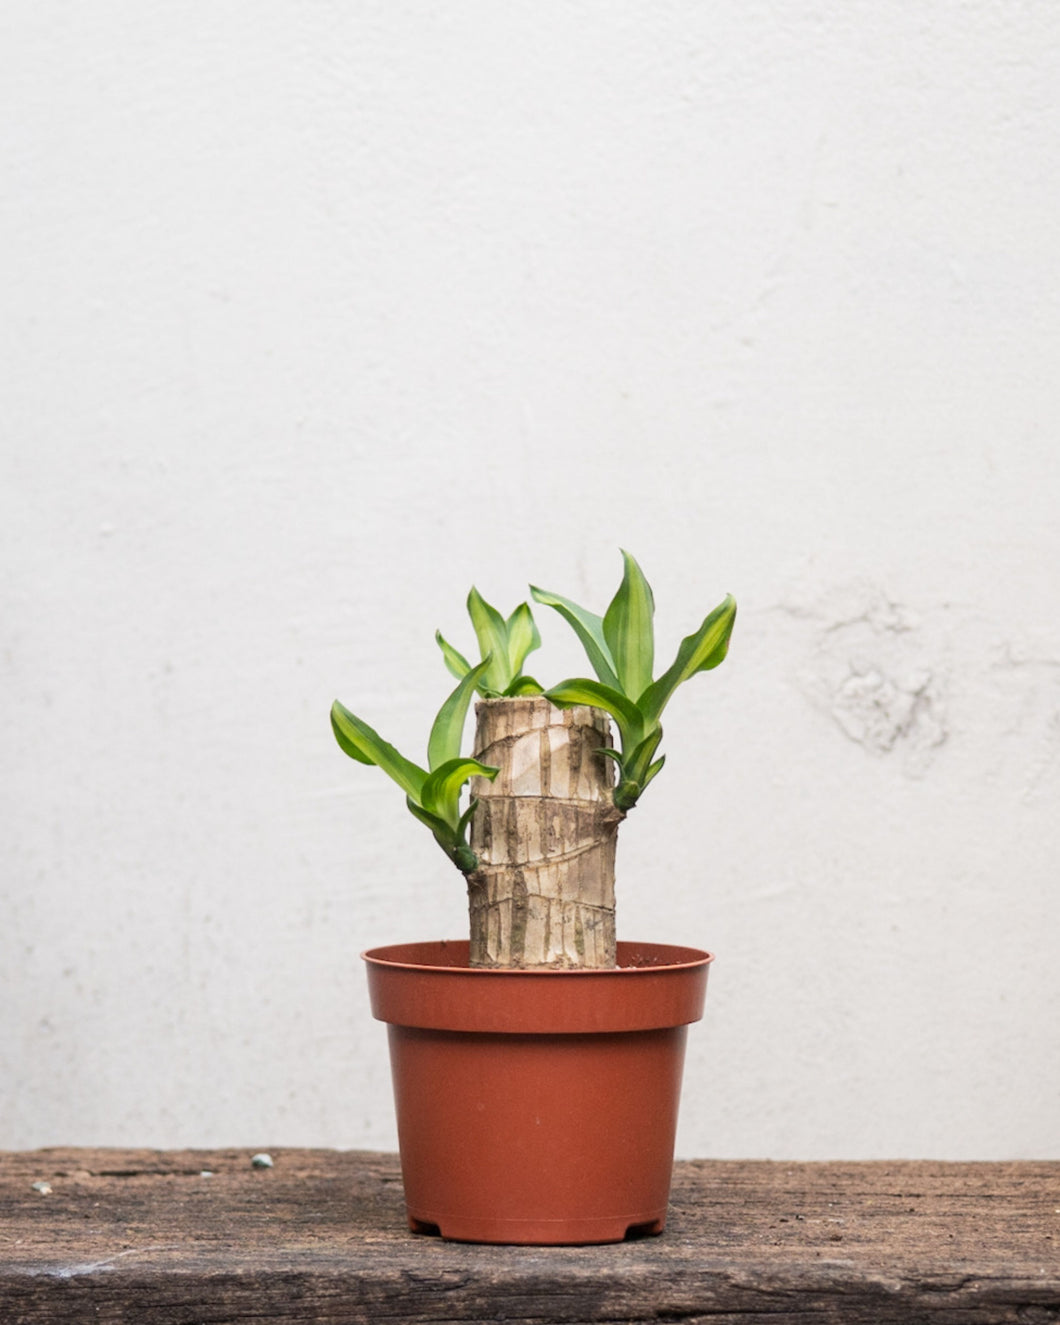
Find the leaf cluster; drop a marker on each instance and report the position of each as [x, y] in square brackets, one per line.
[432, 793]
[504, 645]
[620, 647]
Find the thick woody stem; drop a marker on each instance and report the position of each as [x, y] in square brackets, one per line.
[544, 833]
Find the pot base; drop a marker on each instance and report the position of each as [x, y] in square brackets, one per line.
[545, 1233]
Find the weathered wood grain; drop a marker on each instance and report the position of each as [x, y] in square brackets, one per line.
[143, 1236]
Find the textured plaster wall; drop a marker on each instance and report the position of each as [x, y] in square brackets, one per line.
[316, 313]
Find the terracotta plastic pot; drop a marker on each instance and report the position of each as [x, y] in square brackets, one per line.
[536, 1107]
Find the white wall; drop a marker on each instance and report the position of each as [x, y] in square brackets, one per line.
[316, 313]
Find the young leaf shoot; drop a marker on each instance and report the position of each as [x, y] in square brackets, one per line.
[505, 644]
[432, 794]
[620, 647]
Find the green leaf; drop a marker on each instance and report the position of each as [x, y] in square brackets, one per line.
[524, 685]
[360, 742]
[637, 763]
[492, 635]
[632, 785]
[456, 662]
[452, 842]
[523, 637]
[579, 690]
[629, 631]
[448, 730]
[699, 652]
[590, 630]
[347, 745]
[441, 791]
[443, 832]
[465, 820]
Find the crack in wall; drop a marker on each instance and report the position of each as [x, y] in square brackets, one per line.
[901, 683]
[875, 672]
[879, 713]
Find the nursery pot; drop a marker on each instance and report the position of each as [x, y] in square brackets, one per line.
[536, 1106]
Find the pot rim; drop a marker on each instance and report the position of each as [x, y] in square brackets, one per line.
[410, 985]
[683, 958]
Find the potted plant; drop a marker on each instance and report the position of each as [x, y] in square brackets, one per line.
[537, 1064]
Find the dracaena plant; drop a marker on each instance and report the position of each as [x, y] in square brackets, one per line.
[432, 793]
[620, 646]
[504, 646]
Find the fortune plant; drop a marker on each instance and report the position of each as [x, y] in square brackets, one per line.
[536, 841]
[620, 647]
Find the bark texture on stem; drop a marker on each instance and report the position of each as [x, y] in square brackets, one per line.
[544, 833]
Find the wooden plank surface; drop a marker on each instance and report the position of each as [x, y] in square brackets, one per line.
[146, 1236]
